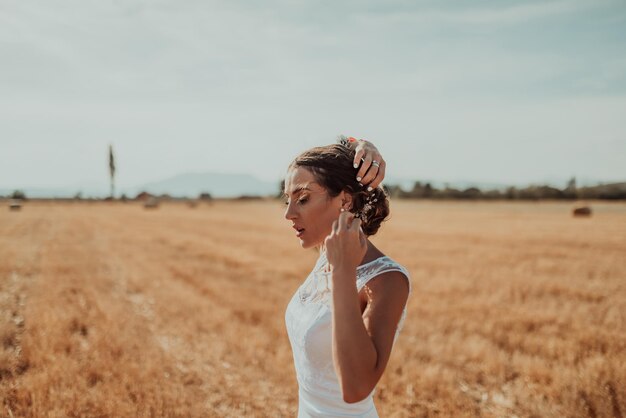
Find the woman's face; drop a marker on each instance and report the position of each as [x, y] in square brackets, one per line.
[309, 207]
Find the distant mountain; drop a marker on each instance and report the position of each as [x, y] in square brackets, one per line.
[217, 184]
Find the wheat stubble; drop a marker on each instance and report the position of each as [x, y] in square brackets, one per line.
[110, 310]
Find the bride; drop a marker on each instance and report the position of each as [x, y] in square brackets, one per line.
[343, 320]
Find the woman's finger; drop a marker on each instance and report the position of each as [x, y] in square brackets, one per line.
[379, 176]
[362, 238]
[365, 165]
[360, 152]
[356, 225]
[335, 226]
[343, 221]
[371, 174]
[350, 220]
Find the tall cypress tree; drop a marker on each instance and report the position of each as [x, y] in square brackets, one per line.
[112, 170]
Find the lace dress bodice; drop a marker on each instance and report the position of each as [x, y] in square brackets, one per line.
[309, 326]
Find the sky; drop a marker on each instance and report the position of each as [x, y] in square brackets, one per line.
[508, 92]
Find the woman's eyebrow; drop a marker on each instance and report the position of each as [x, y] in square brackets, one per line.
[298, 189]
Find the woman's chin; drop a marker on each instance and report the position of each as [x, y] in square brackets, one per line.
[306, 244]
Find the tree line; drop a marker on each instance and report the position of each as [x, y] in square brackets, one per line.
[613, 191]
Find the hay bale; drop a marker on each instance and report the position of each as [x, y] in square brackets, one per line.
[15, 205]
[582, 211]
[151, 203]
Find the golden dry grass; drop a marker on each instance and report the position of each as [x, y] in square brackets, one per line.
[108, 310]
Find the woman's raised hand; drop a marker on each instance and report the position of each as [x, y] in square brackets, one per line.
[372, 170]
[347, 244]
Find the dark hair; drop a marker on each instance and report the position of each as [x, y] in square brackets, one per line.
[332, 167]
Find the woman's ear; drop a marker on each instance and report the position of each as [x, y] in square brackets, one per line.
[346, 201]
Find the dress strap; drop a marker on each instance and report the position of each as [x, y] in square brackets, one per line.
[368, 271]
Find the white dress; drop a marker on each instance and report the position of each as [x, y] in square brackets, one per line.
[309, 326]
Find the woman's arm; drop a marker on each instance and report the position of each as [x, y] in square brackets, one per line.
[361, 344]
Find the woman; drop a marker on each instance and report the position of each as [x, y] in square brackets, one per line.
[343, 320]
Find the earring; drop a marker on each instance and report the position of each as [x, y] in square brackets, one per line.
[343, 210]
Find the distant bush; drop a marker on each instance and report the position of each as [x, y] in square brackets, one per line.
[143, 196]
[18, 195]
[540, 192]
[614, 191]
[248, 197]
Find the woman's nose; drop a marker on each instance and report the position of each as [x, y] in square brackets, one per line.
[290, 212]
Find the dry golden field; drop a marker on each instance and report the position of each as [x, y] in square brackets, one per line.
[111, 310]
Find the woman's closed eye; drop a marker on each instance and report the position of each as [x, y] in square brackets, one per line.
[300, 201]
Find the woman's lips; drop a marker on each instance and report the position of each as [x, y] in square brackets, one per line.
[299, 232]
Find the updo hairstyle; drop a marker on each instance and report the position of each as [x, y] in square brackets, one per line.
[332, 167]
